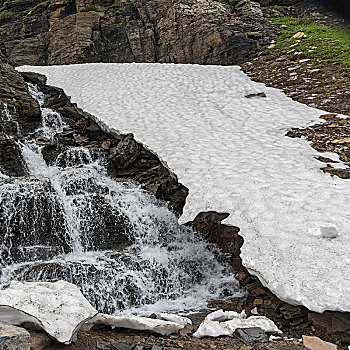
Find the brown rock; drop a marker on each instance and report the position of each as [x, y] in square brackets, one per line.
[14, 90]
[39, 340]
[125, 153]
[331, 322]
[315, 343]
[225, 236]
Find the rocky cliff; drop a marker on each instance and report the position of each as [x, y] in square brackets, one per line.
[176, 31]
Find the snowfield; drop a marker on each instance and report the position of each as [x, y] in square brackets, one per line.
[233, 155]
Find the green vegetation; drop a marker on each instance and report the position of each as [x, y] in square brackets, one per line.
[324, 45]
[41, 7]
[5, 17]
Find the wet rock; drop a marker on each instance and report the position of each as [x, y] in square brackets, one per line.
[43, 227]
[13, 89]
[225, 236]
[125, 153]
[14, 338]
[250, 335]
[11, 162]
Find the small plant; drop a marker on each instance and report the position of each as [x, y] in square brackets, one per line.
[5, 17]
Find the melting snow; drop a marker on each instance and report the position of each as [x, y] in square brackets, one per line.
[226, 322]
[233, 155]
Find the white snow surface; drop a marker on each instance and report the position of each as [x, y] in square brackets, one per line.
[221, 322]
[233, 155]
[164, 327]
[57, 308]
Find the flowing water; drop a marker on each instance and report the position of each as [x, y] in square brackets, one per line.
[120, 245]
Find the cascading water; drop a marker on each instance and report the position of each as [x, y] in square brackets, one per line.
[120, 245]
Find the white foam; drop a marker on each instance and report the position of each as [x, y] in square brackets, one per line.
[232, 153]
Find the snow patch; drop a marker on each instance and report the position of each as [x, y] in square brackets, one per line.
[233, 155]
[220, 323]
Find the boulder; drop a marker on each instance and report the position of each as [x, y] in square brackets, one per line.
[250, 335]
[315, 343]
[14, 338]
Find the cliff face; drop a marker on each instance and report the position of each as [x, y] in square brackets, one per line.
[176, 31]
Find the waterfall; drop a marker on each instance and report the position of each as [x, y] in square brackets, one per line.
[120, 245]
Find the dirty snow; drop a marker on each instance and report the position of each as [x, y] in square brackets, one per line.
[221, 322]
[231, 152]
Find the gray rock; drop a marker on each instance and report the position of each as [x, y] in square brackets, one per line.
[156, 347]
[250, 335]
[121, 346]
[13, 338]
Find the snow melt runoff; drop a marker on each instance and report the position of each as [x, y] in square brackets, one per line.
[233, 155]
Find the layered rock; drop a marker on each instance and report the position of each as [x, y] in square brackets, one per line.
[177, 31]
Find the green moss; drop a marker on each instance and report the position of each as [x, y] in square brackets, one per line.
[323, 45]
[41, 7]
[5, 17]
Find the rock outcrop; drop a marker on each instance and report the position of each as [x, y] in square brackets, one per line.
[176, 31]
